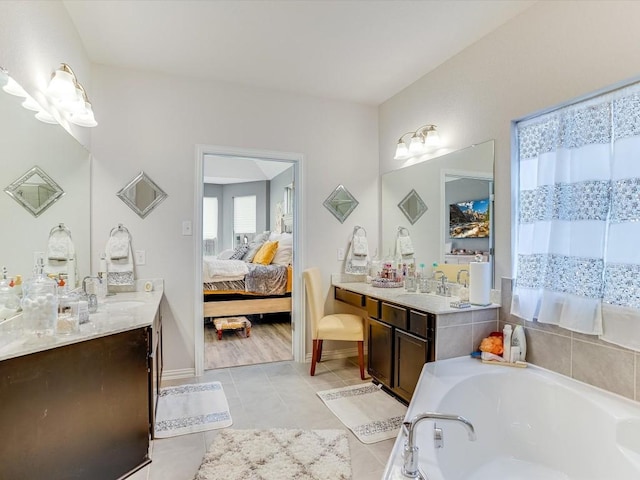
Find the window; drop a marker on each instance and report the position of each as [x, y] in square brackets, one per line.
[578, 208]
[209, 225]
[244, 218]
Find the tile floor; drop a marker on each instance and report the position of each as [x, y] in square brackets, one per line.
[273, 395]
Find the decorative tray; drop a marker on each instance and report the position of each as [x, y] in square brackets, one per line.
[386, 283]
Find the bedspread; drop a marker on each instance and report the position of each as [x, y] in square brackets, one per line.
[215, 270]
[266, 279]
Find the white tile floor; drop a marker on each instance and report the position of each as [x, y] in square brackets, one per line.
[275, 395]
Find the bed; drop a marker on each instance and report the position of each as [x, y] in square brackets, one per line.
[251, 284]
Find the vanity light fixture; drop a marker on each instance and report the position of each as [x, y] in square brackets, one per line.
[69, 97]
[10, 85]
[422, 139]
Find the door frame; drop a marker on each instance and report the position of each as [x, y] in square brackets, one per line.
[297, 298]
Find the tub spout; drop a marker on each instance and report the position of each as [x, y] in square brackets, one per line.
[410, 453]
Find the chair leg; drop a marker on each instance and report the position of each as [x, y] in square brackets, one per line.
[361, 358]
[319, 351]
[314, 357]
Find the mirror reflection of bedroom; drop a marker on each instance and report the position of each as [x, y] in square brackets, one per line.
[247, 260]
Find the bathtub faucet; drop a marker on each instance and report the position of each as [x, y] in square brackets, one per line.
[410, 454]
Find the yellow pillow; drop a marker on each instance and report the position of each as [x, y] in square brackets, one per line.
[267, 251]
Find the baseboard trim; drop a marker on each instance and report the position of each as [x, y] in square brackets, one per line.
[178, 373]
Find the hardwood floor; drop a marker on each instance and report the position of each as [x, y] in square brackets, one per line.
[270, 341]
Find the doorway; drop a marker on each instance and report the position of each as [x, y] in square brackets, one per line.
[247, 199]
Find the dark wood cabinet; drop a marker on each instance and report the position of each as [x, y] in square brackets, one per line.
[380, 351]
[400, 341]
[410, 355]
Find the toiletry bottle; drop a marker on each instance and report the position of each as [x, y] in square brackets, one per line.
[71, 272]
[520, 341]
[506, 342]
[101, 286]
[18, 286]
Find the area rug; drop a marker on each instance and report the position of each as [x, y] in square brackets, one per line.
[191, 408]
[277, 454]
[370, 413]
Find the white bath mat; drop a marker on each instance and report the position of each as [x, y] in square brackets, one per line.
[277, 454]
[370, 413]
[191, 408]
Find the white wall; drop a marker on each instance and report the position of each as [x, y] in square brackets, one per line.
[551, 53]
[35, 37]
[153, 122]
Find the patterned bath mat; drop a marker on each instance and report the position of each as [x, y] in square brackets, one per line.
[277, 454]
[370, 413]
[191, 408]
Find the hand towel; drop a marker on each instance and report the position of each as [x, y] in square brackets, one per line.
[120, 270]
[360, 246]
[117, 247]
[404, 246]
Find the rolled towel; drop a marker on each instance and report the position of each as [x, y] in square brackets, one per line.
[118, 248]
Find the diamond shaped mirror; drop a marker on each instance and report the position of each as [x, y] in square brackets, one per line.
[142, 194]
[412, 206]
[35, 191]
[340, 203]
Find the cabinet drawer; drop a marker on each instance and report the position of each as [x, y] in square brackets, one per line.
[355, 299]
[393, 315]
[422, 324]
[373, 307]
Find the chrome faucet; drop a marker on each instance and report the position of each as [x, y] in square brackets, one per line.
[464, 270]
[410, 454]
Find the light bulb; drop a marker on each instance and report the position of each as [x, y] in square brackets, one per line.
[416, 146]
[62, 86]
[402, 151]
[432, 138]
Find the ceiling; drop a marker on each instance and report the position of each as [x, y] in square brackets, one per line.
[363, 51]
[223, 170]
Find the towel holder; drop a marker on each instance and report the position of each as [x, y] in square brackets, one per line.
[119, 228]
[61, 227]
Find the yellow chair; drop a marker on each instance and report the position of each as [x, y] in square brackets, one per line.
[337, 326]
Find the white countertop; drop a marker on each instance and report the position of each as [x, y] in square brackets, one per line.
[117, 313]
[426, 302]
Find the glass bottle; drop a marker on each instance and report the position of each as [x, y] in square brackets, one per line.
[68, 321]
[40, 304]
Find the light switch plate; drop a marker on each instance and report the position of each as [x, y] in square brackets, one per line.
[140, 257]
[187, 228]
[341, 254]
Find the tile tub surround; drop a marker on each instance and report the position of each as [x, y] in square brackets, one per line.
[579, 356]
[106, 321]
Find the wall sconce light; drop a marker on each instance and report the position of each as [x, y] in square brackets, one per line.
[422, 140]
[9, 85]
[69, 97]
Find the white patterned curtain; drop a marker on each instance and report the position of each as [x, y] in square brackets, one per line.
[578, 219]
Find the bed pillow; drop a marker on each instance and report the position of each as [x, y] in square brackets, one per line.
[266, 253]
[240, 252]
[225, 254]
[284, 254]
[255, 244]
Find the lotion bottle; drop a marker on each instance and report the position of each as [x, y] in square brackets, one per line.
[506, 342]
[519, 340]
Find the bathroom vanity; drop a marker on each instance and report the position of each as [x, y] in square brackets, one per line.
[406, 330]
[82, 406]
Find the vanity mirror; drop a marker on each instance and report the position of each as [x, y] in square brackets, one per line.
[54, 162]
[457, 178]
[341, 203]
[142, 194]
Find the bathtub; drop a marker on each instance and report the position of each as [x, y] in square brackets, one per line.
[530, 423]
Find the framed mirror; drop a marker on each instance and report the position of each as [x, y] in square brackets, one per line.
[142, 194]
[35, 191]
[412, 206]
[459, 181]
[341, 203]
